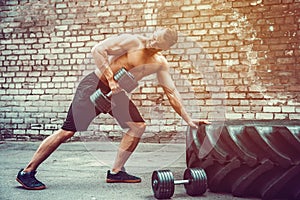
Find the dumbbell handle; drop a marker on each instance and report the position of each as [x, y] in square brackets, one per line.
[179, 182]
[109, 94]
[117, 76]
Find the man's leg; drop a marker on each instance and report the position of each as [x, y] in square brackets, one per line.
[81, 112]
[47, 147]
[128, 144]
[26, 177]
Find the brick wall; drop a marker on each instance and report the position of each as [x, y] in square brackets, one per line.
[235, 59]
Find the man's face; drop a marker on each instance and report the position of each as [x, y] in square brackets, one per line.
[159, 40]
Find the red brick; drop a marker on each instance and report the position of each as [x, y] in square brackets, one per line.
[237, 4]
[271, 2]
[287, 60]
[253, 50]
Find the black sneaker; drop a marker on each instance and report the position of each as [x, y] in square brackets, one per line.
[121, 177]
[28, 180]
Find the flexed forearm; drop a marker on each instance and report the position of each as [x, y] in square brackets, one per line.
[176, 102]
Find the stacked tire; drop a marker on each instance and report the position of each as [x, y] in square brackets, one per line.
[248, 159]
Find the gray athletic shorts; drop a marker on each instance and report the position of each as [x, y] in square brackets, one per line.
[82, 111]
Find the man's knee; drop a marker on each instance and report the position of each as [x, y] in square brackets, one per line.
[137, 127]
[65, 135]
[141, 126]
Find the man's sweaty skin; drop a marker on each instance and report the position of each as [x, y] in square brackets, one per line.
[131, 52]
[141, 56]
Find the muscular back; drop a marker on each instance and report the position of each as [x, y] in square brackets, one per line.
[141, 56]
[140, 63]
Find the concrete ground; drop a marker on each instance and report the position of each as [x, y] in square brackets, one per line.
[77, 171]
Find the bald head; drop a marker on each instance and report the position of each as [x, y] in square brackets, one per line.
[164, 38]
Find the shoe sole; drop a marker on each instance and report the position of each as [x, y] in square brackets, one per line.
[29, 188]
[122, 181]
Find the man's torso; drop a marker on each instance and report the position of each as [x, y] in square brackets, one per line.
[140, 63]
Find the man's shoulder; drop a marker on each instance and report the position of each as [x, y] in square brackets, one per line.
[159, 57]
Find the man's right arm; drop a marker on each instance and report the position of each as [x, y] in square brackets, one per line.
[114, 46]
[100, 55]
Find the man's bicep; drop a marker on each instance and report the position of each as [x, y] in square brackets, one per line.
[165, 81]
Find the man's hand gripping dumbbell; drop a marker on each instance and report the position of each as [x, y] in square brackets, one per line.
[126, 81]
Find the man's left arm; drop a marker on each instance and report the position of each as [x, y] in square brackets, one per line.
[165, 80]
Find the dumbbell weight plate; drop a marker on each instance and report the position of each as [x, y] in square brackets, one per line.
[198, 181]
[126, 80]
[163, 184]
[101, 102]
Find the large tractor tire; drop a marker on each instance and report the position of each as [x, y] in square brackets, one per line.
[248, 159]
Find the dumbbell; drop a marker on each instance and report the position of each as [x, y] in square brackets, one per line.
[194, 181]
[126, 81]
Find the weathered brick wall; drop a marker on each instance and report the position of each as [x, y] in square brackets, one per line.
[235, 59]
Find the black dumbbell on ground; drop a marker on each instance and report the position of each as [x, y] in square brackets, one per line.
[126, 81]
[163, 183]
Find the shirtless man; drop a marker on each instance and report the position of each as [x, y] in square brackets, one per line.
[141, 56]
